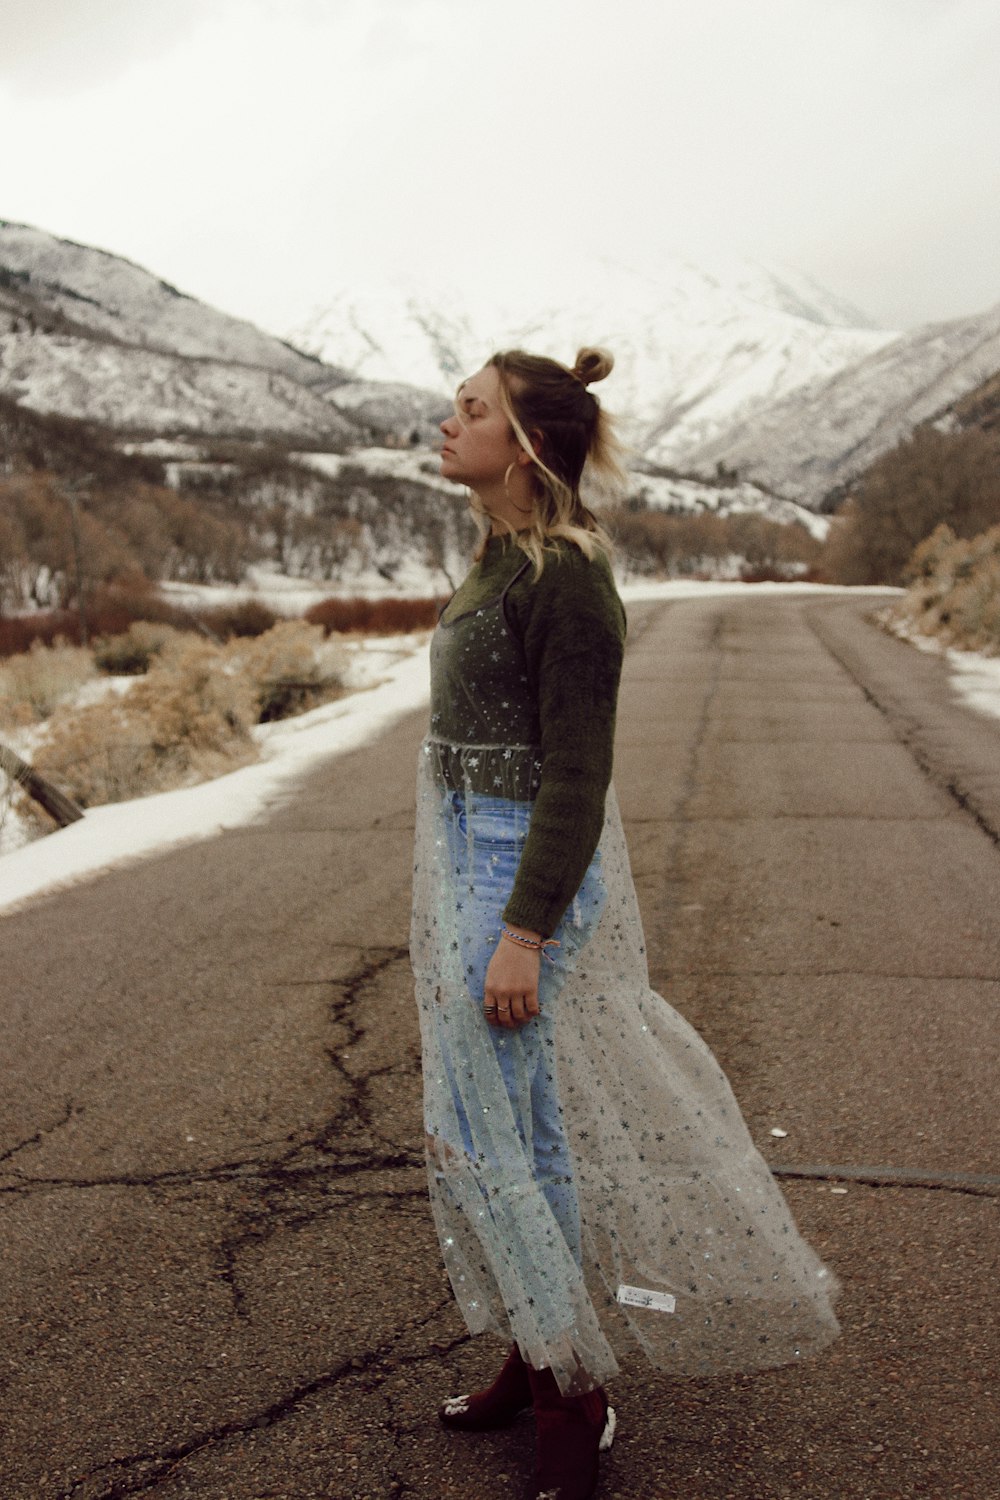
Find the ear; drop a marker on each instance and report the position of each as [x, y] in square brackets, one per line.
[537, 441]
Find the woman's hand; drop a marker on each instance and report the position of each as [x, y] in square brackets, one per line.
[511, 991]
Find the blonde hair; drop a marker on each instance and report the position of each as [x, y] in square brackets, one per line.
[543, 399]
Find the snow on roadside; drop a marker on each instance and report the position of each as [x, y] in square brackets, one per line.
[975, 676]
[976, 679]
[290, 748]
[693, 588]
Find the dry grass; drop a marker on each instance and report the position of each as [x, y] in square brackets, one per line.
[34, 683]
[291, 668]
[954, 590]
[135, 649]
[189, 717]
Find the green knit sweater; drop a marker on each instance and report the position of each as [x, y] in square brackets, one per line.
[559, 688]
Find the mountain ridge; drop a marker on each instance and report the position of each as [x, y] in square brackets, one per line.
[813, 443]
[111, 294]
[91, 336]
[692, 350]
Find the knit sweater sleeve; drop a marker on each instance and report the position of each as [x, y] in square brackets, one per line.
[572, 626]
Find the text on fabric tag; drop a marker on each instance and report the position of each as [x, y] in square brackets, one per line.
[638, 1296]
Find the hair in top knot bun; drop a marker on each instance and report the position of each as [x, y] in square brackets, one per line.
[593, 365]
[564, 430]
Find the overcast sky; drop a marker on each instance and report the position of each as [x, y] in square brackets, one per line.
[265, 154]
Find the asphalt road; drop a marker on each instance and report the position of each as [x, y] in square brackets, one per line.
[220, 1277]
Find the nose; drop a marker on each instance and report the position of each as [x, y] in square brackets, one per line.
[449, 427]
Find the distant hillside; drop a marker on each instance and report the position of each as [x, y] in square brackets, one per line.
[66, 448]
[813, 443]
[944, 473]
[85, 290]
[977, 408]
[89, 335]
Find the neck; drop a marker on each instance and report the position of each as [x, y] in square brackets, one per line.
[509, 502]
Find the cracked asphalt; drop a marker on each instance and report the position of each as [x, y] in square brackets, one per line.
[220, 1276]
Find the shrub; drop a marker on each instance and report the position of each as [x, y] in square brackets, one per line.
[375, 616]
[702, 544]
[100, 754]
[34, 683]
[133, 651]
[44, 626]
[190, 717]
[112, 609]
[930, 479]
[289, 669]
[954, 590]
[243, 617]
[186, 720]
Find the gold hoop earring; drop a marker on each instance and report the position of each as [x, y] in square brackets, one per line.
[522, 510]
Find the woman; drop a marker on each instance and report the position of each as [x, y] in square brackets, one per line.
[592, 1181]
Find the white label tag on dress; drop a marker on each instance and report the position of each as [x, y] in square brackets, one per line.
[638, 1296]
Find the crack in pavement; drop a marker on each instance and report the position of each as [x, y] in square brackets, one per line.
[976, 1184]
[852, 973]
[70, 1110]
[318, 1166]
[273, 1212]
[242, 1172]
[150, 1468]
[338, 1159]
[304, 1181]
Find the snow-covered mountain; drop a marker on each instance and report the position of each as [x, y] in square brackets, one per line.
[813, 442]
[88, 335]
[730, 364]
[695, 347]
[99, 293]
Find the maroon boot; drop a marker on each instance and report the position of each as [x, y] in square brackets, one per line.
[570, 1433]
[496, 1406]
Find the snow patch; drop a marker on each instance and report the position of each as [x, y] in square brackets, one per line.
[976, 679]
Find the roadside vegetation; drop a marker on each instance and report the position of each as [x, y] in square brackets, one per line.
[931, 479]
[926, 516]
[954, 591]
[155, 707]
[663, 544]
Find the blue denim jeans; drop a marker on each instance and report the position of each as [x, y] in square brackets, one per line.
[486, 838]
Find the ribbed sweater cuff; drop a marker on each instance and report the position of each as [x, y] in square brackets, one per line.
[535, 915]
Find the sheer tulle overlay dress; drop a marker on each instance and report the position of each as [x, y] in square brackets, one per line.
[593, 1184]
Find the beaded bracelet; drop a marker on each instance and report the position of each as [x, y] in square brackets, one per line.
[538, 944]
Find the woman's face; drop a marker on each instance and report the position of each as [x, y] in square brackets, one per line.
[479, 442]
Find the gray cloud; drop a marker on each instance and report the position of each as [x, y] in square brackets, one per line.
[61, 47]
